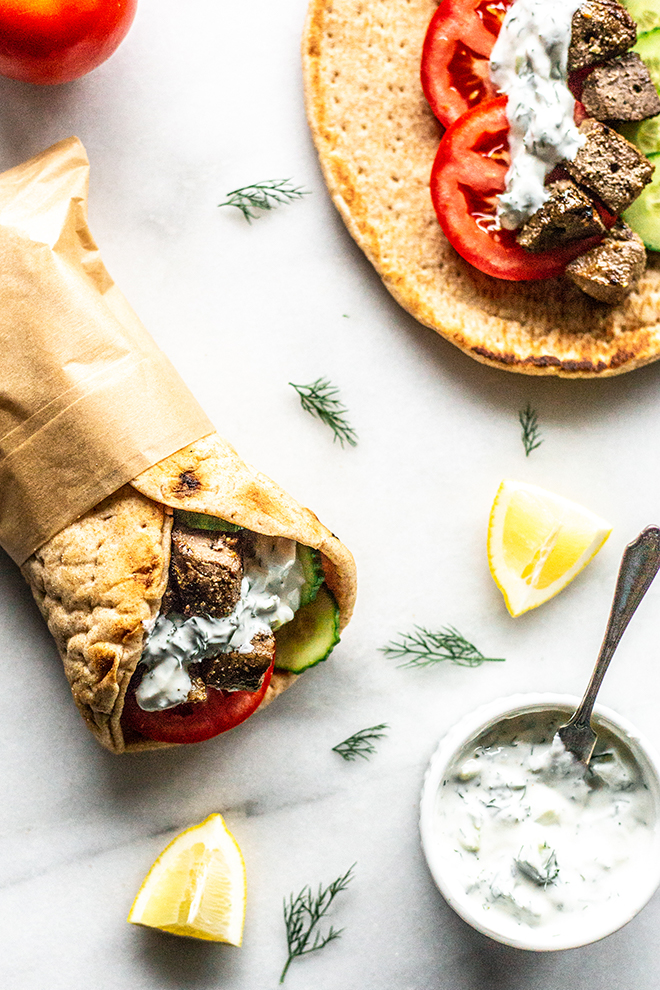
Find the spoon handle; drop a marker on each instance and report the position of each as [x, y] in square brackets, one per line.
[639, 565]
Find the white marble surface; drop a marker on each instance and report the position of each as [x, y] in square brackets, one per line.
[203, 97]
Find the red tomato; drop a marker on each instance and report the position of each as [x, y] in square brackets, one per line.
[191, 723]
[468, 174]
[55, 41]
[457, 48]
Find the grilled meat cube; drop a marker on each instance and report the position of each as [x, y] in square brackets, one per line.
[609, 271]
[600, 30]
[610, 166]
[622, 89]
[239, 671]
[568, 215]
[206, 570]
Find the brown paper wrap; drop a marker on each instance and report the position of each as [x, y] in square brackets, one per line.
[88, 399]
[90, 404]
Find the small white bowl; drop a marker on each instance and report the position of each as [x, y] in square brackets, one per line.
[580, 930]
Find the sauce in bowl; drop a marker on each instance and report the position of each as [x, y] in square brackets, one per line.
[532, 847]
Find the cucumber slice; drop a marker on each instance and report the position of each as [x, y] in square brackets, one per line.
[311, 635]
[310, 561]
[644, 214]
[645, 135]
[199, 520]
[645, 12]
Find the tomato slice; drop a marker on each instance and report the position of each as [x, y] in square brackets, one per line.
[191, 723]
[468, 174]
[457, 47]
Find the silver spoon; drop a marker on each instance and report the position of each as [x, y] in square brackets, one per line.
[639, 565]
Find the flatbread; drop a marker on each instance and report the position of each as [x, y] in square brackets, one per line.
[100, 581]
[377, 140]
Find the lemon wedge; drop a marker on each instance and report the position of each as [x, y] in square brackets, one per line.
[196, 887]
[538, 542]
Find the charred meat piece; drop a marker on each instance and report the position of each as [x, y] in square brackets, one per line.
[609, 271]
[206, 570]
[170, 602]
[610, 166]
[622, 89]
[568, 215]
[239, 671]
[600, 30]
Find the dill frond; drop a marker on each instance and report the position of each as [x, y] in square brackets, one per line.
[263, 196]
[424, 647]
[302, 915]
[320, 400]
[361, 744]
[531, 434]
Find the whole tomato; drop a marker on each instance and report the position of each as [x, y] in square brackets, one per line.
[55, 41]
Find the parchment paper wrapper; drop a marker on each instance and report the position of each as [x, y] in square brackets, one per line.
[88, 401]
[89, 404]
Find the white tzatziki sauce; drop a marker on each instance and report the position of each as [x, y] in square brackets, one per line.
[529, 65]
[536, 838]
[270, 596]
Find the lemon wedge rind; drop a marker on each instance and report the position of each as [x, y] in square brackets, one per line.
[538, 542]
[197, 886]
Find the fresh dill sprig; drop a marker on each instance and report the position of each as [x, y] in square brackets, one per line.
[320, 400]
[362, 743]
[531, 434]
[263, 196]
[302, 915]
[424, 647]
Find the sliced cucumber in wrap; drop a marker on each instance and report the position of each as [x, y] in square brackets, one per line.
[310, 561]
[310, 636]
[199, 520]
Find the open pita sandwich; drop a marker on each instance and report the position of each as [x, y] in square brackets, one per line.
[377, 139]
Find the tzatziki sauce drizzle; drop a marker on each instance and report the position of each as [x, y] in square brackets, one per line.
[270, 596]
[529, 65]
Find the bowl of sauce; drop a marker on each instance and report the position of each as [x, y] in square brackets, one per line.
[527, 845]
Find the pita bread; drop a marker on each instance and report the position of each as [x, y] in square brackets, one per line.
[101, 579]
[377, 139]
